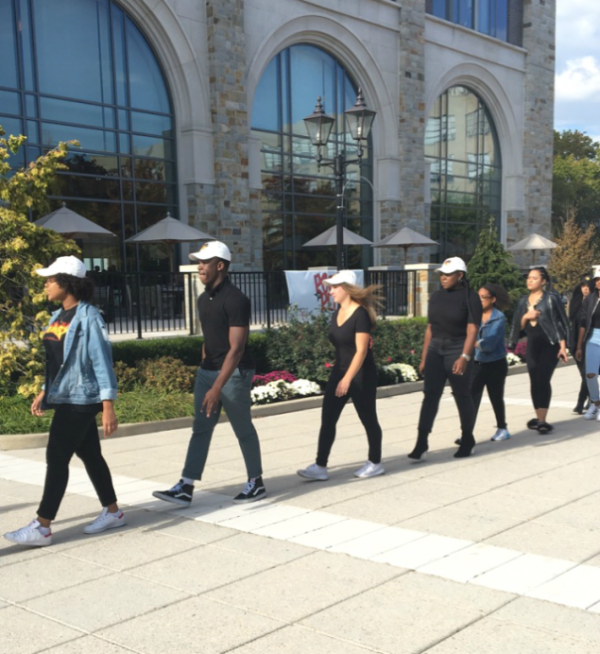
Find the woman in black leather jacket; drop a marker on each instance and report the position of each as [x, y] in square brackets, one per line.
[540, 315]
[580, 292]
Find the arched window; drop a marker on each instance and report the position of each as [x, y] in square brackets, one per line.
[298, 199]
[82, 70]
[461, 147]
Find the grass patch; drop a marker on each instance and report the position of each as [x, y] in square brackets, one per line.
[136, 406]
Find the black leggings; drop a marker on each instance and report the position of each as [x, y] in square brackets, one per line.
[440, 358]
[363, 391]
[541, 361]
[73, 432]
[491, 375]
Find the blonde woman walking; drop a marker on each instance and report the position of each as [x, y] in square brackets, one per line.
[354, 374]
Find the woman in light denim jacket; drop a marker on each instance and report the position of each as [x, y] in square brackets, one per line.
[490, 355]
[80, 383]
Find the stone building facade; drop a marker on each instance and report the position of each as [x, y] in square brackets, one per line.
[215, 54]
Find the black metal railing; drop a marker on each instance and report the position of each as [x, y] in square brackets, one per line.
[147, 303]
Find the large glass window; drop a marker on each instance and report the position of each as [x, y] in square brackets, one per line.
[461, 147]
[486, 16]
[298, 199]
[86, 72]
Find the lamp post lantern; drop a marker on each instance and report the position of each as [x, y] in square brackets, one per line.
[319, 125]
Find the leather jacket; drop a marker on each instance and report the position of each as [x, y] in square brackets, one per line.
[586, 315]
[553, 319]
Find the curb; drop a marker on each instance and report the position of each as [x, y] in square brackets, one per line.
[31, 441]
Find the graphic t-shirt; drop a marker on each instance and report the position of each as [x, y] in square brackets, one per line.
[344, 339]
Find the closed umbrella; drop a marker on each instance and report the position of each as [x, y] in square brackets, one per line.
[328, 237]
[405, 238]
[71, 224]
[169, 230]
[533, 242]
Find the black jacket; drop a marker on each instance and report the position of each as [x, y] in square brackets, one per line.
[553, 319]
[586, 315]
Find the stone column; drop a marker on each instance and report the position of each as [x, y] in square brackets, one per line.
[409, 211]
[539, 33]
[235, 208]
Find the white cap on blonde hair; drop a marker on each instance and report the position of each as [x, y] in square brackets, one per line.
[342, 277]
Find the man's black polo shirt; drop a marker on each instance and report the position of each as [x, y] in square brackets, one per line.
[220, 308]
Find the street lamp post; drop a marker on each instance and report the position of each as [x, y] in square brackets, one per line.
[319, 125]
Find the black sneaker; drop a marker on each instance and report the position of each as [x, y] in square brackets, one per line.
[253, 490]
[180, 494]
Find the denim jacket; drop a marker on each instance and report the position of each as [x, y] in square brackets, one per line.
[86, 375]
[491, 338]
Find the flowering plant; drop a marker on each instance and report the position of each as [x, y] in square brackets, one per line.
[512, 359]
[278, 390]
[276, 375]
[521, 350]
[402, 372]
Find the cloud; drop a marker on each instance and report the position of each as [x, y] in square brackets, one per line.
[580, 80]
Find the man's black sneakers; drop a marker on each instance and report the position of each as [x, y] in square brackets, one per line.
[253, 490]
[180, 494]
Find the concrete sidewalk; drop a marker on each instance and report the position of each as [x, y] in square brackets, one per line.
[496, 553]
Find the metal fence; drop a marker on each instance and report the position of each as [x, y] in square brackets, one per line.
[146, 303]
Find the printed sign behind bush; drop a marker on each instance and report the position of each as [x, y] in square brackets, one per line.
[307, 291]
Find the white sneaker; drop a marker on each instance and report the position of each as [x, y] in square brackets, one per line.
[314, 472]
[370, 470]
[30, 535]
[105, 521]
[501, 435]
[592, 412]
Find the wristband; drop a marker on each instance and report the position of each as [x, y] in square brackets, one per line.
[466, 356]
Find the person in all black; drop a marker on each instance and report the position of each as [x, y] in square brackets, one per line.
[580, 292]
[353, 375]
[79, 384]
[540, 315]
[454, 315]
[491, 367]
[224, 379]
[588, 344]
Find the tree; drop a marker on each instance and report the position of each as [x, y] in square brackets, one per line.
[492, 264]
[575, 253]
[576, 179]
[23, 247]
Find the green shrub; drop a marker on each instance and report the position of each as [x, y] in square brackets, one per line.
[186, 348]
[167, 375]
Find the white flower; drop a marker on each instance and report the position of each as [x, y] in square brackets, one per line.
[512, 359]
[276, 391]
[403, 372]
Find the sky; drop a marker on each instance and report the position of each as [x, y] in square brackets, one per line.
[577, 104]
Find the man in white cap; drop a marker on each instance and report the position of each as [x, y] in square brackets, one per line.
[224, 378]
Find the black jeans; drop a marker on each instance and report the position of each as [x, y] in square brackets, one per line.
[73, 432]
[541, 358]
[441, 355]
[363, 391]
[583, 389]
[491, 375]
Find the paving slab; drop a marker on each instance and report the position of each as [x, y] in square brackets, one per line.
[197, 625]
[88, 645]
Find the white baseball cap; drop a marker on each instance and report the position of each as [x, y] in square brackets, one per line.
[64, 266]
[342, 277]
[452, 265]
[210, 250]
[595, 271]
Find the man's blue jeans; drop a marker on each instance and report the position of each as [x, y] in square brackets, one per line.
[235, 399]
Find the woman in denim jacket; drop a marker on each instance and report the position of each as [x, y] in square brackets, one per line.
[490, 355]
[80, 383]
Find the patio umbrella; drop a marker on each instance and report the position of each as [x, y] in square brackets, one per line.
[533, 242]
[71, 224]
[405, 238]
[169, 230]
[328, 237]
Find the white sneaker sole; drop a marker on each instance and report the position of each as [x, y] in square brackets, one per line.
[109, 525]
[173, 500]
[310, 477]
[249, 500]
[372, 474]
[47, 541]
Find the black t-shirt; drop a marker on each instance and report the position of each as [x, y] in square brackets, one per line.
[449, 314]
[220, 308]
[596, 318]
[344, 338]
[54, 344]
